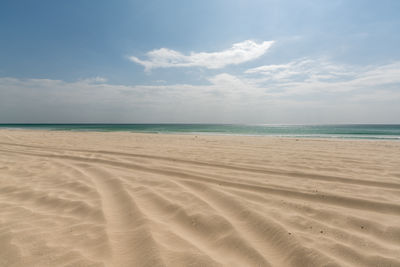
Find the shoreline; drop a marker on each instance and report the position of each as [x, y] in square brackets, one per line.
[302, 137]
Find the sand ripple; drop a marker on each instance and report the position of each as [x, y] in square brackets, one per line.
[122, 199]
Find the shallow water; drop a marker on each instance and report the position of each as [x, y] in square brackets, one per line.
[347, 131]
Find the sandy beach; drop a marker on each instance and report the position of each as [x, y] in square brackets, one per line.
[127, 199]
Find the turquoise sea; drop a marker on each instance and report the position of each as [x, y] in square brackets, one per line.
[347, 131]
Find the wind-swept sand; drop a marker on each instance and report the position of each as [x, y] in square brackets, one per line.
[124, 199]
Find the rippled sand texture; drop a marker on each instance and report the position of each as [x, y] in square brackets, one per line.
[123, 199]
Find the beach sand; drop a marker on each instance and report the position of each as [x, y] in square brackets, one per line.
[128, 199]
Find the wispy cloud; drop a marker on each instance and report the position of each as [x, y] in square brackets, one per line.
[238, 53]
[305, 70]
[310, 76]
[96, 79]
[337, 93]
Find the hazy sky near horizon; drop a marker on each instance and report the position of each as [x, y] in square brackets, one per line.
[210, 61]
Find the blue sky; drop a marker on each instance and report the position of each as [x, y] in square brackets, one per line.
[200, 61]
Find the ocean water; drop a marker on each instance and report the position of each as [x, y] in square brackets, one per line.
[347, 131]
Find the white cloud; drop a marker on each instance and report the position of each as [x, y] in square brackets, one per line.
[310, 76]
[238, 53]
[227, 80]
[325, 93]
[266, 69]
[304, 69]
[96, 79]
